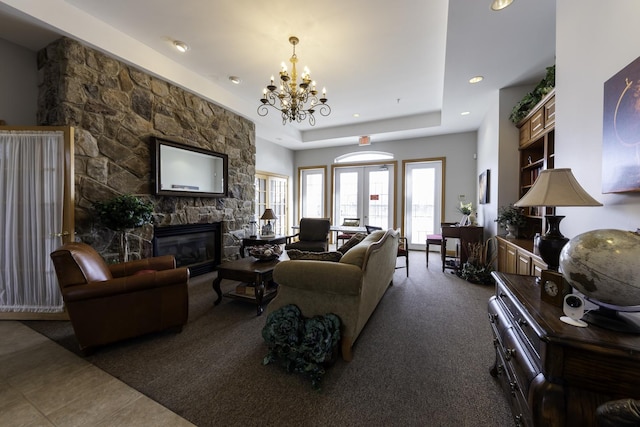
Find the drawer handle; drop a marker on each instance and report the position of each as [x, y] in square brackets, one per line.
[514, 387]
[509, 353]
[493, 317]
[522, 322]
[518, 419]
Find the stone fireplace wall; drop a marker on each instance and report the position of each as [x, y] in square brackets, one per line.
[115, 109]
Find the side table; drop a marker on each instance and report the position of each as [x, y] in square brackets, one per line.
[260, 240]
[248, 270]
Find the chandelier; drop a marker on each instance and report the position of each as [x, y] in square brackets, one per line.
[294, 101]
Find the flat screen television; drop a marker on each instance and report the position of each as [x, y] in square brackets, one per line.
[183, 170]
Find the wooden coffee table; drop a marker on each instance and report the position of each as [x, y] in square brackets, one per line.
[248, 270]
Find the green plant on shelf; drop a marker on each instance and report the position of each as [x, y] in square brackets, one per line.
[510, 215]
[526, 104]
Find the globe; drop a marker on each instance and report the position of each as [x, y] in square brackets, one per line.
[603, 265]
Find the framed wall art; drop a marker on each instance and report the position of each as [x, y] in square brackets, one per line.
[483, 187]
[621, 131]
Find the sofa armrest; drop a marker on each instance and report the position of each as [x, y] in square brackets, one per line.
[321, 276]
[165, 262]
[127, 284]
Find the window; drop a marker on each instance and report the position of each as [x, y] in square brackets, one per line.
[271, 192]
[364, 156]
[312, 193]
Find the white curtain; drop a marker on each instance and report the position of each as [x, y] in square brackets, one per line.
[31, 201]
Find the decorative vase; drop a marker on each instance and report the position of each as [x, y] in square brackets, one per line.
[472, 219]
[512, 231]
[124, 246]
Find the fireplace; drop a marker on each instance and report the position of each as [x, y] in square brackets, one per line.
[197, 246]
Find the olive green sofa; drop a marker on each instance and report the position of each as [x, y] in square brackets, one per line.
[350, 288]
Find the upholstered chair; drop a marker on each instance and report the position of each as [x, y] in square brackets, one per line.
[313, 235]
[109, 303]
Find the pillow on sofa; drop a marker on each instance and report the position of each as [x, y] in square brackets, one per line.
[314, 256]
[354, 240]
[355, 256]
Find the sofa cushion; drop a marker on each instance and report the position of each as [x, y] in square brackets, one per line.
[375, 236]
[355, 256]
[354, 240]
[314, 256]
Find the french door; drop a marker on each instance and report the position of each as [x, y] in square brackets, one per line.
[36, 216]
[365, 192]
[423, 200]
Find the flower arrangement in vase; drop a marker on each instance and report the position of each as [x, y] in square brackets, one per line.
[466, 209]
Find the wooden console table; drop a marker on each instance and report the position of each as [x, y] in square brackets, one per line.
[554, 374]
[466, 234]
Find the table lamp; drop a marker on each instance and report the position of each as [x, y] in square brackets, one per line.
[268, 215]
[553, 188]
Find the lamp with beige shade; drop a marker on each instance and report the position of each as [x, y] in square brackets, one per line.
[555, 188]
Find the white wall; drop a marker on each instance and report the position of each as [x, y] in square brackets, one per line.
[498, 141]
[594, 41]
[273, 158]
[459, 150]
[18, 85]
[278, 160]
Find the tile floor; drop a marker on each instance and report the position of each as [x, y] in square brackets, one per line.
[43, 384]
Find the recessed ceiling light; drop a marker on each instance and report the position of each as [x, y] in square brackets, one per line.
[465, 113]
[235, 80]
[500, 4]
[356, 115]
[476, 79]
[181, 46]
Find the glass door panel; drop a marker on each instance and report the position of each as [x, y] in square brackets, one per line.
[364, 192]
[422, 201]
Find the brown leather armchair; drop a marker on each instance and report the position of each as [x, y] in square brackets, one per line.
[313, 235]
[109, 303]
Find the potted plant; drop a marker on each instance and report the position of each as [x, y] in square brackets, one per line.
[123, 213]
[479, 264]
[511, 218]
[526, 104]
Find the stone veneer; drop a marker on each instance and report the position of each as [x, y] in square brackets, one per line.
[115, 109]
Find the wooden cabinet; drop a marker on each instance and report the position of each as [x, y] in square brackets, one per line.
[554, 374]
[537, 153]
[518, 256]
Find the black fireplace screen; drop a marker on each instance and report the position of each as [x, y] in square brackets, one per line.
[196, 246]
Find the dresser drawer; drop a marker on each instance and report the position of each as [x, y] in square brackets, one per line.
[520, 320]
[519, 361]
[499, 319]
[516, 399]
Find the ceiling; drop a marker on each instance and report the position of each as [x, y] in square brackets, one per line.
[403, 66]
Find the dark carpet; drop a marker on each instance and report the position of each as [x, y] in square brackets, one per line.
[422, 360]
